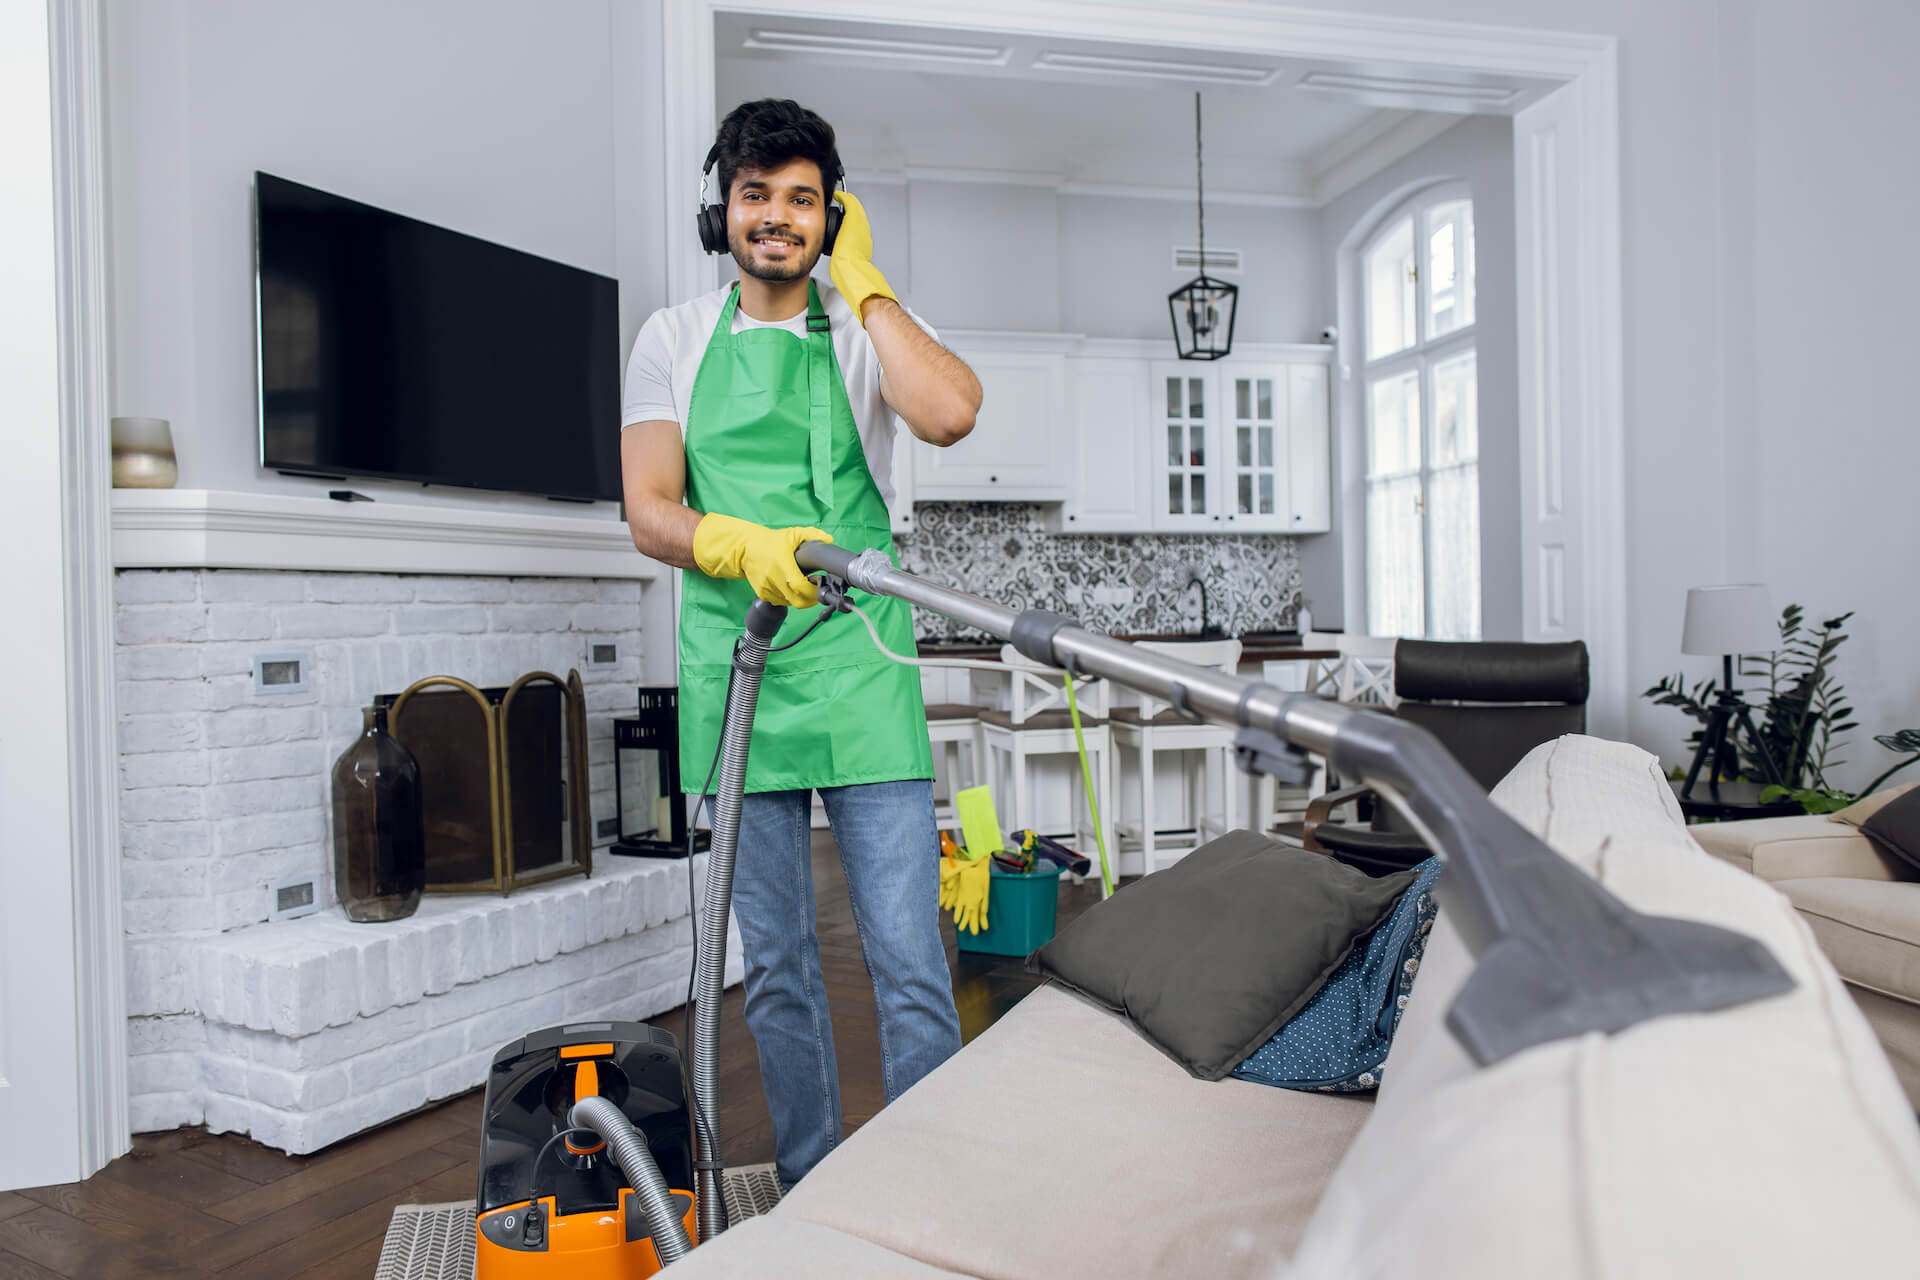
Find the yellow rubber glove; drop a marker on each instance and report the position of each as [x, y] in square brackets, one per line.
[949, 882]
[851, 265]
[970, 895]
[727, 547]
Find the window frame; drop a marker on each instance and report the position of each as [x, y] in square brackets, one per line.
[1420, 357]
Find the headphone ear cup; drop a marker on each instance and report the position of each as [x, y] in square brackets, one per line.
[835, 216]
[712, 220]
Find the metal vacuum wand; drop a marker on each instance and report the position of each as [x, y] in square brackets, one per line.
[1558, 954]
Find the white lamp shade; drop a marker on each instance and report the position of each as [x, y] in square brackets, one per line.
[1733, 619]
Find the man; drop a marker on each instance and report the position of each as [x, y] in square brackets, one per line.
[769, 407]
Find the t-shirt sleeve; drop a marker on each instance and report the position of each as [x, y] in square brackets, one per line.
[649, 389]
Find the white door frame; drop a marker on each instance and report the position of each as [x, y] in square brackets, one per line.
[1571, 407]
[68, 1113]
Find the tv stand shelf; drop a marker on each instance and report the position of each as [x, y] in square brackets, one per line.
[224, 529]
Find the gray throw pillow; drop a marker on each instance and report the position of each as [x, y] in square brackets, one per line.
[1895, 828]
[1210, 957]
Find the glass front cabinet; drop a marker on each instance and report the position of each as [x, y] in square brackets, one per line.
[1239, 447]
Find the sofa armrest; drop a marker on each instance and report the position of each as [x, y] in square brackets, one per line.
[1801, 847]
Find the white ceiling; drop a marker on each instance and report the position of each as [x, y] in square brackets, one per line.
[932, 103]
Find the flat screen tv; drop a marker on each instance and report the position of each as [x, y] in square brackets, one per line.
[395, 349]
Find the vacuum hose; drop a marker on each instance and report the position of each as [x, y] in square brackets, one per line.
[736, 733]
[630, 1153]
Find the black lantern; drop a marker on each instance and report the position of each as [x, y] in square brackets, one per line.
[1202, 309]
[646, 775]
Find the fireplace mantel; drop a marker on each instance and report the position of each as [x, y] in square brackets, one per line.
[221, 529]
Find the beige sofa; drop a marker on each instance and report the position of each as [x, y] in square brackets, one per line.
[1862, 905]
[1770, 1139]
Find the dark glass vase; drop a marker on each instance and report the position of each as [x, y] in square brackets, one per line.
[379, 848]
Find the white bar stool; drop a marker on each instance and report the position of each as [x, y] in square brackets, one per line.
[1155, 727]
[1036, 723]
[954, 730]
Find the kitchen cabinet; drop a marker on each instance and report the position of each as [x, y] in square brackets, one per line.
[1111, 437]
[1240, 446]
[1019, 445]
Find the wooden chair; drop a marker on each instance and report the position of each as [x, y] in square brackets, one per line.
[1155, 727]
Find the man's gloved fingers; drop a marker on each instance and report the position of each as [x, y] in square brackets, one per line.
[855, 237]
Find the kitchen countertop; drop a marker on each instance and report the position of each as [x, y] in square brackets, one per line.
[1255, 646]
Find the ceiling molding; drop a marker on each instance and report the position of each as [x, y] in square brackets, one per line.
[1155, 68]
[1348, 168]
[824, 42]
[1055, 182]
[1418, 95]
[1185, 195]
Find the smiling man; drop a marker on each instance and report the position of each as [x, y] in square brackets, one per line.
[757, 417]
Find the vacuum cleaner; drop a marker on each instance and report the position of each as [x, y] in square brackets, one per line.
[600, 1154]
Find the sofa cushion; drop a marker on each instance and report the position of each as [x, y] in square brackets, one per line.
[772, 1245]
[1209, 957]
[1796, 848]
[1768, 1139]
[1868, 928]
[1866, 806]
[1059, 1145]
[1895, 829]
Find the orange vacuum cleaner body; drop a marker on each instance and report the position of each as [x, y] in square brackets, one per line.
[570, 1212]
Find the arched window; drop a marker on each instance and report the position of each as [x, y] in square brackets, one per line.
[1421, 420]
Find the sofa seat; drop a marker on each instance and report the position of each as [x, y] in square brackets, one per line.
[1060, 1113]
[1870, 929]
[779, 1245]
[1861, 907]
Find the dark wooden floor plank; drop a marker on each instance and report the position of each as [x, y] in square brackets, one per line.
[376, 1188]
[133, 1214]
[242, 1157]
[332, 1168]
[11, 1202]
[15, 1267]
[175, 1175]
[84, 1251]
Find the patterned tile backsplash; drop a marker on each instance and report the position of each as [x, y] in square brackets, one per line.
[1001, 551]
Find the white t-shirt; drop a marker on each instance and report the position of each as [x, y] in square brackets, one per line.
[667, 354]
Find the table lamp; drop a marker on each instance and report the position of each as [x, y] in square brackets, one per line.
[1722, 622]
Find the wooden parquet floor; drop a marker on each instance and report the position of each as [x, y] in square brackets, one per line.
[192, 1204]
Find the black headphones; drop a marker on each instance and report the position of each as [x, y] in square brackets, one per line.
[712, 218]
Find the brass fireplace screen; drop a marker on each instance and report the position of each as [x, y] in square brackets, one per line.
[503, 779]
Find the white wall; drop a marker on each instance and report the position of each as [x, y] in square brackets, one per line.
[1004, 256]
[1479, 152]
[1116, 267]
[491, 117]
[985, 256]
[1821, 442]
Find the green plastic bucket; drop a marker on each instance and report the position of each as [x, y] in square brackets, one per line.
[1020, 913]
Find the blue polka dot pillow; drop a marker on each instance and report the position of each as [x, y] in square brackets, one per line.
[1338, 1043]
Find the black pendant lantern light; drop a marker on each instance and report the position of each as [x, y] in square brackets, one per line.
[1202, 309]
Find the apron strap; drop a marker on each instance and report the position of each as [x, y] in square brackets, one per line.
[820, 376]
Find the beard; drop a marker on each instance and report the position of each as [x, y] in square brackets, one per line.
[798, 266]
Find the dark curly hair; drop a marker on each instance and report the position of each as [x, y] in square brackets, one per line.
[766, 134]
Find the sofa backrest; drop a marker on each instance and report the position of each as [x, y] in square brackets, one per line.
[1769, 1139]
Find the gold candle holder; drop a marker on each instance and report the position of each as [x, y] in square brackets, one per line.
[143, 454]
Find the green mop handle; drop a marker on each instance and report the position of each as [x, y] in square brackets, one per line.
[1093, 801]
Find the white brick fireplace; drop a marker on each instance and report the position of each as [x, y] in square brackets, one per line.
[303, 1031]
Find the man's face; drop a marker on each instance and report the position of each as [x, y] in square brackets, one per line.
[777, 220]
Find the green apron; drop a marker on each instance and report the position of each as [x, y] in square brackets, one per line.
[770, 438]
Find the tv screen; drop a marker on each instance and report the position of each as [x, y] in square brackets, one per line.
[392, 348]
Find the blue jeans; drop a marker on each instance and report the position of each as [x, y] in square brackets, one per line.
[889, 849]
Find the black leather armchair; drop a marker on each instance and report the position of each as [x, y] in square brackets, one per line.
[1488, 703]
